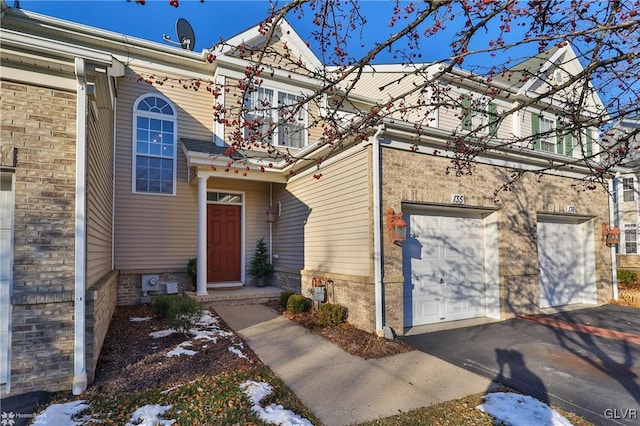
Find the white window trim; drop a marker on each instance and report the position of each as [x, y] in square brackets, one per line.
[550, 136]
[480, 119]
[277, 89]
[626, 191]
[134, 153]
[630, 227]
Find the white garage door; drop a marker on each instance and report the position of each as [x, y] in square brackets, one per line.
[443, 265]
[567, 262]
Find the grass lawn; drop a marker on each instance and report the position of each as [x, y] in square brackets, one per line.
[219, 400]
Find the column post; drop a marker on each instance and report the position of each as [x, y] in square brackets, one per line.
[201, 286]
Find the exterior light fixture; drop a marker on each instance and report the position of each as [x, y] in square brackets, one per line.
[271, 215]
[397, 226]
[611, 235]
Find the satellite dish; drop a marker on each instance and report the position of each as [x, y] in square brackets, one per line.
[186, 36]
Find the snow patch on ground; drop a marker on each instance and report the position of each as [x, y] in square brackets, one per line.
[149, 415]
[237, 351]
[180, 350]
[139, 319]
[162, 333]
[274, 413]
[62, 414]
[520, 410]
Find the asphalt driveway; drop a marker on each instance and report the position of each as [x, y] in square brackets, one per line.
[585, 361]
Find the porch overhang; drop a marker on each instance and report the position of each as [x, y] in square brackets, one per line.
[206, 159]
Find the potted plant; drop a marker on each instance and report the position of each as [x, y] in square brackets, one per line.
[260, 267]
[192, 271]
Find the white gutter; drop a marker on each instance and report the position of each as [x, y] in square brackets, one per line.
[612, 221]
[377, 229]
[79, 363]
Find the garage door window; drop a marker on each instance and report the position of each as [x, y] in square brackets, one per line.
[630, 239]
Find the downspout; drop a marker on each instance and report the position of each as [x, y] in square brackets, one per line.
[113, 188]
[270, 224]
[613, 221]
[377, 233]
[79, 363]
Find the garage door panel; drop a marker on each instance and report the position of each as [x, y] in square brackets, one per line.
[563, 265]
[446, 280]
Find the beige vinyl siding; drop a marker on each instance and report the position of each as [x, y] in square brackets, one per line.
[157, 231]
[99, 185]
[325, 223]
[233, 101]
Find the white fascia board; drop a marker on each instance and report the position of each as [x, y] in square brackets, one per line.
[47, 47]
[40, 78]
[240, 64]
[524, 90]
[182, 72]
[300, 44]
[253, 175]
[100, 35]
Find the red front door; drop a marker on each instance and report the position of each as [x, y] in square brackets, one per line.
[223, 242]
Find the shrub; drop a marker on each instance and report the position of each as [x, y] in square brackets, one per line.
[331, 314]
[627, 277]
[182, 312]
[284, 298]
[298, 304]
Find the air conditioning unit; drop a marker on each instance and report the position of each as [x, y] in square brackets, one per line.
[150, 283]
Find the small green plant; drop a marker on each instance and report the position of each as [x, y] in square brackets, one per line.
[298, 304]
[284, 298]
[627, 277]
[192, 271]
[331, 314]
[182, 312]
[260, 266]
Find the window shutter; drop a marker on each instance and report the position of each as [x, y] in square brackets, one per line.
[589, 143]
[568, 143]
[559, 142]
[493, 119]
[535, 130]
[466, 112]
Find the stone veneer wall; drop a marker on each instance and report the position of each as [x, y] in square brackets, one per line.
[101, 304]
[130, 284]
[356, 293]
[287, 280]
[40, 123]
[628, 261]
[517, 223]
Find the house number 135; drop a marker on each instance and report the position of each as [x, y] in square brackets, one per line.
[457, 199]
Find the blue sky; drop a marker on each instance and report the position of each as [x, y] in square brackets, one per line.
[215, 19]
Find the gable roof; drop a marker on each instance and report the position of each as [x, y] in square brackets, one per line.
[518, 75]
[253, 36]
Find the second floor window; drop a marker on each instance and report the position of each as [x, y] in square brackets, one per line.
[628, 192]
[274, 116]
[154, 146]
[630, 239]
[546, 130]
[479, 115]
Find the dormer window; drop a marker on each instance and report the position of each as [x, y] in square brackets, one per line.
[280, 123]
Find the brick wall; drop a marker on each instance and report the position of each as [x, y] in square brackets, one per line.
[42, 343]
[517, 220]
[40, 123]
[286, 280]
[356, 293]
[101, 303]
[130, 283]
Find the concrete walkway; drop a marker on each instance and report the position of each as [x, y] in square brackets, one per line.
[342, 389]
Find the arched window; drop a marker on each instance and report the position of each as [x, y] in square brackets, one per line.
[154, 145]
